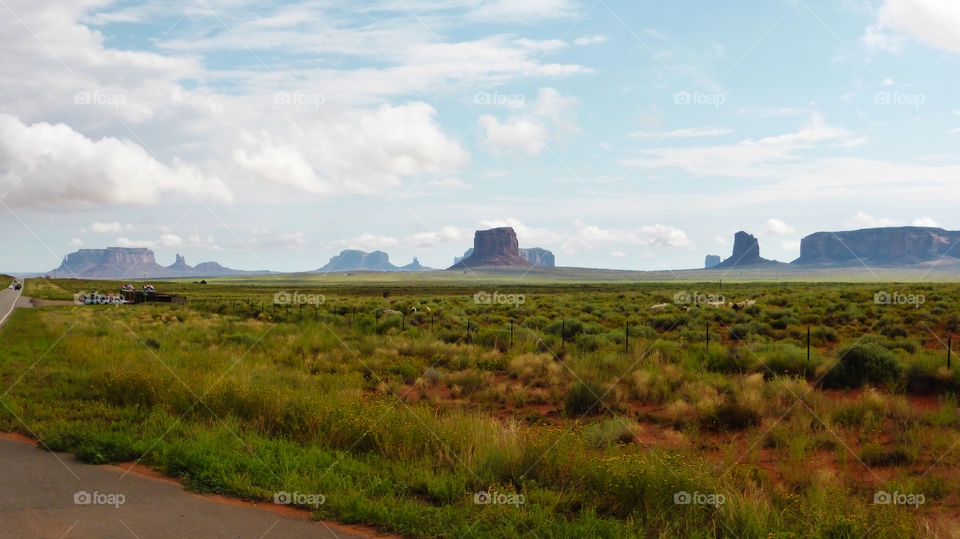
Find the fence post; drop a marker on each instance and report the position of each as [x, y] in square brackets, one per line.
[949, 346]
[706, 346]
[511, 334]
[626, 336]
[808, 349]
[316, 312]
[563, 334]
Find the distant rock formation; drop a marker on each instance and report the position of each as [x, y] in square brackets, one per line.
[466, 254]
[711, 261]
[180, 265]
[887, 246]
[493, 247]
[356, 260]
[353, 259]
[538, 257]
[135, 263]
[746, 252]
[534, 255]
[415, 266]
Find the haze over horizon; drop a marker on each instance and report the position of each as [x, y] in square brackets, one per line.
[616, 134]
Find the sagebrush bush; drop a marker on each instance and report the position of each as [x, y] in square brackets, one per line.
[861, 364]
[583, 397]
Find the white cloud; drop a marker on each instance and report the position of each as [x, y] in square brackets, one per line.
[878, 38]
[529, 133]
[128, 242]
[618, 254]
[368, 242]
[745, 158]
[358, 152]
[665, 236]
[558, 108]
[790, 245]
[933, 22]
[864, 220]
[524, 135]
[688, 132]
[193, 240]
[590, 40]
[446, 235]
[511, 10]
[48, 165]
[926, 221]
[75, 242]
[779, 228]
[109, 228]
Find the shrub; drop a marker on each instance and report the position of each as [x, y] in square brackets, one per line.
[876, 455]
[721, 360]
[860, 364]
[785, 359]
[583, 397]
[822, 335]
[732, 415]
[608, 432]
[739, 332]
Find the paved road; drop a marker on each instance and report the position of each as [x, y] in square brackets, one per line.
[8, 297]
[37, 500]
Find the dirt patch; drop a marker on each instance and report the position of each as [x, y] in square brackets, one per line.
[37, 302]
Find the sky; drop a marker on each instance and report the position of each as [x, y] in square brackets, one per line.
[618, 134]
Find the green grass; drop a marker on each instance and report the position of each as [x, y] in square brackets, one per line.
[398, 425]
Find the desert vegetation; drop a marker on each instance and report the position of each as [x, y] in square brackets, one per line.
[597, 412]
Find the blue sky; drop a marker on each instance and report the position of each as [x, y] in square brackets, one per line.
[635, 135]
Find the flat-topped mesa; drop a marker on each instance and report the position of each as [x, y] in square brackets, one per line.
[100, 261]
[710, 261]
[493, 247]
[353, 260]
[884, 246]
[538, 256]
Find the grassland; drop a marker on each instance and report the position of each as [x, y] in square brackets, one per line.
[600, 411]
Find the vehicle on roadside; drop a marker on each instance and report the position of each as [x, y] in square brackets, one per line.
[16, 285]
